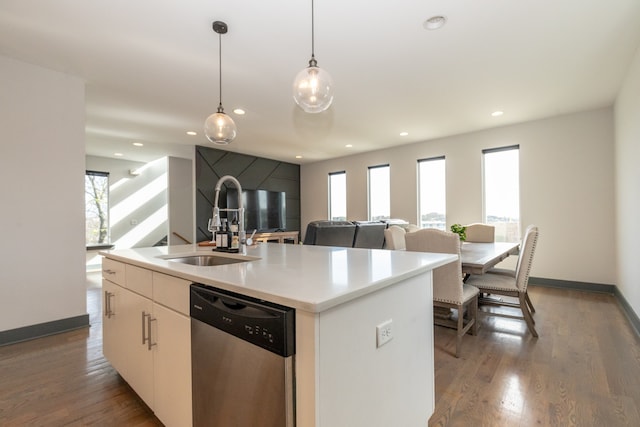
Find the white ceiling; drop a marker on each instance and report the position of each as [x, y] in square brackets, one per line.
[151, 67]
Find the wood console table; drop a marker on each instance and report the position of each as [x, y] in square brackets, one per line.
[280, 236]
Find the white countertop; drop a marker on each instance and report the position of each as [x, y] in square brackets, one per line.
[309, 278]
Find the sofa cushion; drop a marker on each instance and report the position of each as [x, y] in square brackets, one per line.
[369, 234]
[330, 233]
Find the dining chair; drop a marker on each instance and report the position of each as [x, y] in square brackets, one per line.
[448, 289]
[394, 238]
[512, 283]
[480, 233]
[411, 228]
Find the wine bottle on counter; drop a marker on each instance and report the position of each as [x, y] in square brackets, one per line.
[224, 236]
[218, 233]
[233, 233]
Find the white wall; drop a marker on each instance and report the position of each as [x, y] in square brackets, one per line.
[161, 194]
[181, 200]
[137, 204]
[42, 191]
[566, 182]
[627, 156]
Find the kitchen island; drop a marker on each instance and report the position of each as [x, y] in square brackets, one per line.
[343, 374]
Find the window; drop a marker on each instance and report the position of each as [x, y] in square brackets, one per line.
[379, 193]
[96, 188]
[338, 196]
[431, 193]
[502, 192]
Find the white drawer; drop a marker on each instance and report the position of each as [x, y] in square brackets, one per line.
[171, 292]
[113, 271]
[139, 280]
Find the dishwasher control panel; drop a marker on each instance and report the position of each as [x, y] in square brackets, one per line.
[265, 324]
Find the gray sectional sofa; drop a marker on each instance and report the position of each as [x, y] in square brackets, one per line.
[349, 234]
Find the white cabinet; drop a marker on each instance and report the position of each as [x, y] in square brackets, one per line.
[137, 313]
[148, 343]
[172, 353]
[112, 326]
[172, 367]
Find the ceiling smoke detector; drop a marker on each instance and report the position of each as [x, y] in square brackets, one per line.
[434, 22]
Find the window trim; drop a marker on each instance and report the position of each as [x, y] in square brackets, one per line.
[499, 149]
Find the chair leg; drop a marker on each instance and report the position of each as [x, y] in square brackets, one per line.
[527, 315]
[460, 328]
[474, 316]
[529, 303]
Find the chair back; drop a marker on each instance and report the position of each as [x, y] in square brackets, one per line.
[394, 237]
[480, 233]
[411, 228]
[527, 249]
[447, 280]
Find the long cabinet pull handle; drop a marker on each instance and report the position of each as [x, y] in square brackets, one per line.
[108, 312]
[149, 342]
[109, 271]
[106, 304]
[144, 332]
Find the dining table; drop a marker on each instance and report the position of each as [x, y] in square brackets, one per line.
[478, 258]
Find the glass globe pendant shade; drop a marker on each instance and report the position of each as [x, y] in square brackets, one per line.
[219, 128]
[313, 89]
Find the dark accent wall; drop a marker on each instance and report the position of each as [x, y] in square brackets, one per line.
[253, 173]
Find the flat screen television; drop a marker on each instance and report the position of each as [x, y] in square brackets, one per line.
[263, 210]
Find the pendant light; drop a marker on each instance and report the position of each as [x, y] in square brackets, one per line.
[219, 127]
[313, 87]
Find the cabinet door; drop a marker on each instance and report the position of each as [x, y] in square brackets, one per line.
[112, 346]
[172, 367]
[138, 369]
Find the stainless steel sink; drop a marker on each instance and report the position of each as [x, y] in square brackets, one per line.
[208, 260]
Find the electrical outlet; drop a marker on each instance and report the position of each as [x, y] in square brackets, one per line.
[384, 332]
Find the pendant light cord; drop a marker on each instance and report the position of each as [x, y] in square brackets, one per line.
[220, 109]
[312, 61]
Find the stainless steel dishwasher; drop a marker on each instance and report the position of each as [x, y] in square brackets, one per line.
[242, 356]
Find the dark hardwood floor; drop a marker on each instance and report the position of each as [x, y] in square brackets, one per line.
[584, 370]
[64, 380]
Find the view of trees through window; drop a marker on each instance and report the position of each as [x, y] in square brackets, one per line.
[96, 188]
[432, 205]
[502, 192]
[338, 196]
[379, 193]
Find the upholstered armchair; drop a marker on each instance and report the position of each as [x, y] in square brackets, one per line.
[512, 283]
[480, 233]
[448, 289]
[394, 238]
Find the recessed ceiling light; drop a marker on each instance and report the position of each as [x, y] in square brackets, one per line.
[497, 113]
[192, 133]
[138, 144]
[404, 133]
[239, 111]
[348, 145]
[118, 154]
[298, 157]
[434, 22]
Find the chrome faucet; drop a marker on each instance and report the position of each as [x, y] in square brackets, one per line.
[242, 235]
